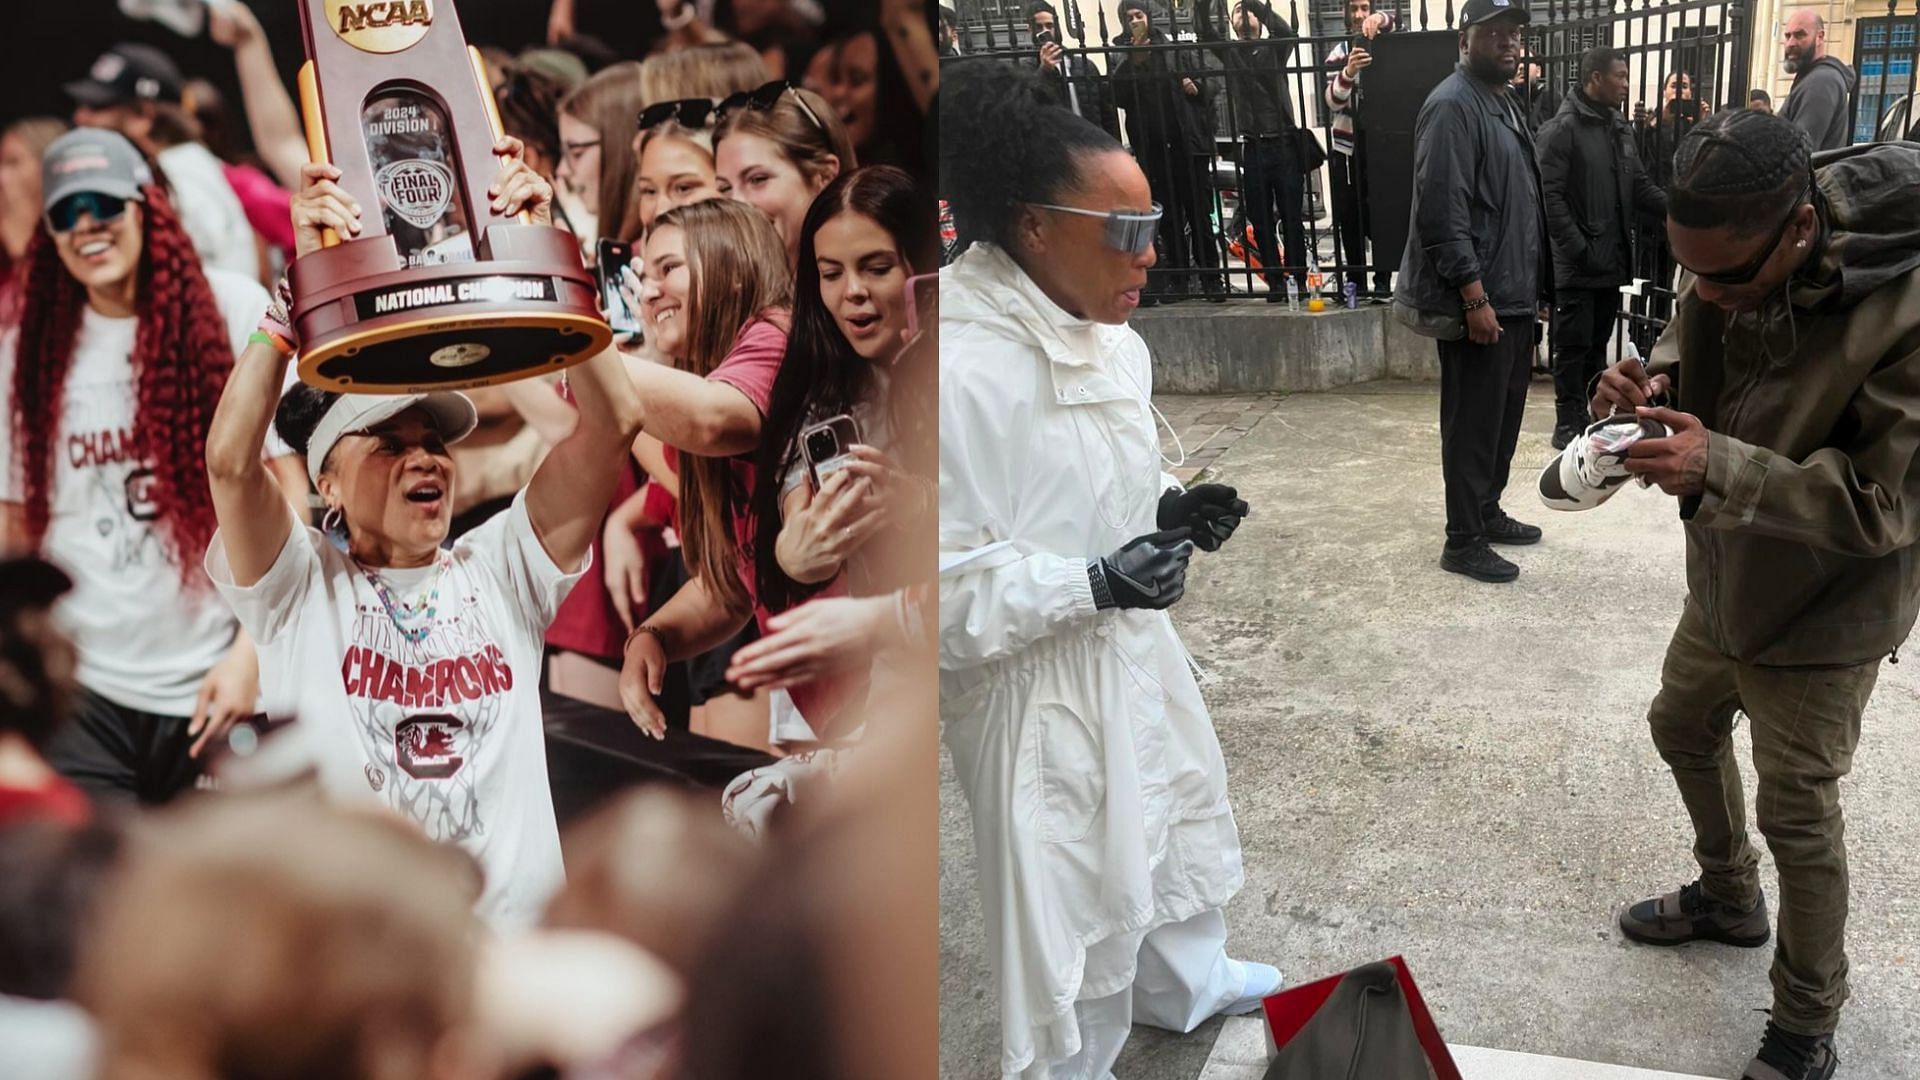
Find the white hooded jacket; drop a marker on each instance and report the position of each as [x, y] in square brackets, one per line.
[1098, 791]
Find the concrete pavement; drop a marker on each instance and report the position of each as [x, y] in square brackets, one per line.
[1460, 773]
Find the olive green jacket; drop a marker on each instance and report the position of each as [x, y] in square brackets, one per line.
[1801, 551]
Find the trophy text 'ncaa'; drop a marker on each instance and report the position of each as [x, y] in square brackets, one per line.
[436, 292]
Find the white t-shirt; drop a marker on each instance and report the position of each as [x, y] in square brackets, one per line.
[209, 210]
[145, 639]
[446, 731]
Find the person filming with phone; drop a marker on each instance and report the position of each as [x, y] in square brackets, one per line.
[1071, 79]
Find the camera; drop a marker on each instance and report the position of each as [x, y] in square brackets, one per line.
[822, 444]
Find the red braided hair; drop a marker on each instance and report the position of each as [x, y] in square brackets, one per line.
[181, 359]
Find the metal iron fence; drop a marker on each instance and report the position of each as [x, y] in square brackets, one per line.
[1197, 73]
[1885, 50]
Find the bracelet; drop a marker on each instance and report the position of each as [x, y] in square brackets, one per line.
[644, 628]
[1102, 592]
[1476, 305]
[264, 336]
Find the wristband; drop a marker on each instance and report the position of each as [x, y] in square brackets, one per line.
[1102, 592]
[644, 628]
[264, 336]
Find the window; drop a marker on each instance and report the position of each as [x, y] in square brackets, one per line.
[1884, 56]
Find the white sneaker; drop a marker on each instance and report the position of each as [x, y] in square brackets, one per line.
[1261, 981]
[1594, 464]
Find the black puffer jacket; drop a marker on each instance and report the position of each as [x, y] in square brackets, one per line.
[1593, 185]
[1147, 83]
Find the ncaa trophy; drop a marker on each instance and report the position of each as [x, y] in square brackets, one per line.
[436, 292]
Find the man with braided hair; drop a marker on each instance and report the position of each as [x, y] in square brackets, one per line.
[1793, 361]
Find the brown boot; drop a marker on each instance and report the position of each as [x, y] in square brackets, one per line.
[1691, 915]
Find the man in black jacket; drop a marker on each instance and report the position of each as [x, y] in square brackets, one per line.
[1169, 105]
[1263, 117]
[1593, 185]
[1072, 79]
[1474, 276]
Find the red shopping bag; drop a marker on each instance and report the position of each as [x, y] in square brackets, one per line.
[1289, 1012]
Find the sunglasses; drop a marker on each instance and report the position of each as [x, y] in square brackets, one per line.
[764, 97]
[1747, 273]
[64, 216]
[1127, 231]
[687, 112]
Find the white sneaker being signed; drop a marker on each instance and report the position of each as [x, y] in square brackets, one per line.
[1593, 466]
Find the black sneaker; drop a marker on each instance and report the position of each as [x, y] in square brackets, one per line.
[1479, 563]
[1564, 435]
[1501, 529]
[1786, 1056]
[1691, 915]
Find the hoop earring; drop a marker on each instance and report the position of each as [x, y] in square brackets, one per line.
[332, 521]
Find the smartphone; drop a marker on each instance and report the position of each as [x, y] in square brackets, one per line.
[1687, 107]
[615, 256]
[923, 303]
[1044, 37]
[828, 446]
[1359, 42]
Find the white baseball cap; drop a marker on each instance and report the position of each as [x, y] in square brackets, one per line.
[452, 414]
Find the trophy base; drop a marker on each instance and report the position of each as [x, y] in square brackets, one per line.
[525, 307]
[451, 350]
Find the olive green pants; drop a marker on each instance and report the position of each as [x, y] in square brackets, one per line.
[1805, 724]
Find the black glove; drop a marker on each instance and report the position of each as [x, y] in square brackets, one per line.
[1149, 572]
[1212, 511]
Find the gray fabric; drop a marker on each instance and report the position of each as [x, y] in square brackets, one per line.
[1477, 214]
[1593, 186]
[1818, 102]
[1364, 1031]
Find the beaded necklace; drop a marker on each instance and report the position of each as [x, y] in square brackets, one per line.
[424, 607]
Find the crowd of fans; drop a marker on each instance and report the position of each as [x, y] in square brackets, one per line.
[274, 792]
[1253, 83]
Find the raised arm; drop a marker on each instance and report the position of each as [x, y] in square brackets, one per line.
[1278, 29]
[696, 415]
[271, 116]
[247, 501]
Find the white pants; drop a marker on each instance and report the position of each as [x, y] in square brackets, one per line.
[1182, 979]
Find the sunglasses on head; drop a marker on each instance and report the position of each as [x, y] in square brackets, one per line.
[687, 112]
[764, 97]
[1747, 273]
[64, 216]
[1127, 230]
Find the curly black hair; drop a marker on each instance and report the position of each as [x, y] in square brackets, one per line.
[299, 412]
[1741, 169]
[1004, 142]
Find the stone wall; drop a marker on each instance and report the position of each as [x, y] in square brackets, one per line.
[1236, 348]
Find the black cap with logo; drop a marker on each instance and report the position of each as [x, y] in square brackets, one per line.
[128, 73]
[1479, 11]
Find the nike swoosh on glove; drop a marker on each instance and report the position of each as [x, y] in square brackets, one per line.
[1212, 511]
[1147, 572]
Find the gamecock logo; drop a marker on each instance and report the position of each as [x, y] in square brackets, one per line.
[416, 189]
[427, 746]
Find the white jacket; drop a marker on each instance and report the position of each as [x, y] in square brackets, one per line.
[1098, 791]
